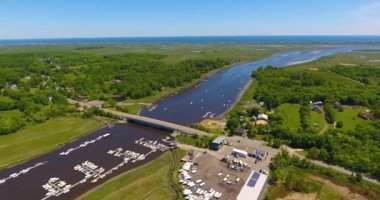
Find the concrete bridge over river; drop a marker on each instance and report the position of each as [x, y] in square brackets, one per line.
[146, 121]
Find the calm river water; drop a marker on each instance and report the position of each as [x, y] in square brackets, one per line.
[213, 96]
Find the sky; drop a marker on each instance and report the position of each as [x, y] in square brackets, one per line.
[23, 19]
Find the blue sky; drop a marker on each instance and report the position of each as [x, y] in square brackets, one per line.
[116, 18]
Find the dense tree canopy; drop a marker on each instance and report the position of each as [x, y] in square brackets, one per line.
[38, 83]
[357, 149]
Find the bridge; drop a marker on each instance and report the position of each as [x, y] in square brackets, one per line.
[147, 121]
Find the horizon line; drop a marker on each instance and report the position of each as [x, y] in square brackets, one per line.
[199, 36]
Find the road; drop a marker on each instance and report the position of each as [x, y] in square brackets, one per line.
[146, 120]
[262, 145]
[256, 143]
[322, 164]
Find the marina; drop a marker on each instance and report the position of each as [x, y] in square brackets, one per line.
[65, 153]
[120, 149]
[83, 164]
[24, 171]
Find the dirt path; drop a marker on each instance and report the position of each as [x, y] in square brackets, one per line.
[297, 196]
[322, 164]
[173, 185]
[342, 191]
[325, 124]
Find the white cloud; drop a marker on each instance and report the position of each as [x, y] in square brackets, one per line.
[367, 12]
[364, 20]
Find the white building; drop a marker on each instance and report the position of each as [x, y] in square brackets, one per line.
[240, 153]
[253, 187]
[263, 117]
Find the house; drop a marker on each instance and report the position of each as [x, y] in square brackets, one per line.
[263, 117]
[217, 143]
[261, 103]
[240, 132]
[318, 103]
[366, 115]
[261, 154]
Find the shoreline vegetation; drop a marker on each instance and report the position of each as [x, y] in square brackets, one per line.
[24, 145]
[153, 175]
[43, 113]
[38, 94]
[353, 74]
[154, 98]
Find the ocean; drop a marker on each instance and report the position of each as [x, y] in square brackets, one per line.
[200, 39]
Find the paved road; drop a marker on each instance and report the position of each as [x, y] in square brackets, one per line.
[256, 143]
[322, 164]
[147, 120]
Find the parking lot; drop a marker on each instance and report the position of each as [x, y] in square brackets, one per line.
[218, 175]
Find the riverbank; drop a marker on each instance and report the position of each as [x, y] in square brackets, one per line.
[140, 104]
[153, 176]
[24, 145]
[150, 100]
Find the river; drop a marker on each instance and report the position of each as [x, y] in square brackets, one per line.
[216, 94]
[212, 96]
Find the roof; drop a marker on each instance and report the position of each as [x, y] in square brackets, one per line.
[366, 115]
[219, 140]
[253, 187]
[260, 151]
[240, 151]
[262, 116]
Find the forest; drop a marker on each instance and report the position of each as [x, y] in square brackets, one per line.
[38, 83]
[357, 149]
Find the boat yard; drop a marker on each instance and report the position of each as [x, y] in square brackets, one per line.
[223, 174]
[73, 169]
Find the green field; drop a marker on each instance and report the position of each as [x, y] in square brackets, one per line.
[291, 175]
[291, 114]
[10, 113]
[149, 182]
[317, 120]
[350, 118]
[38, 139]
[174, 52]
